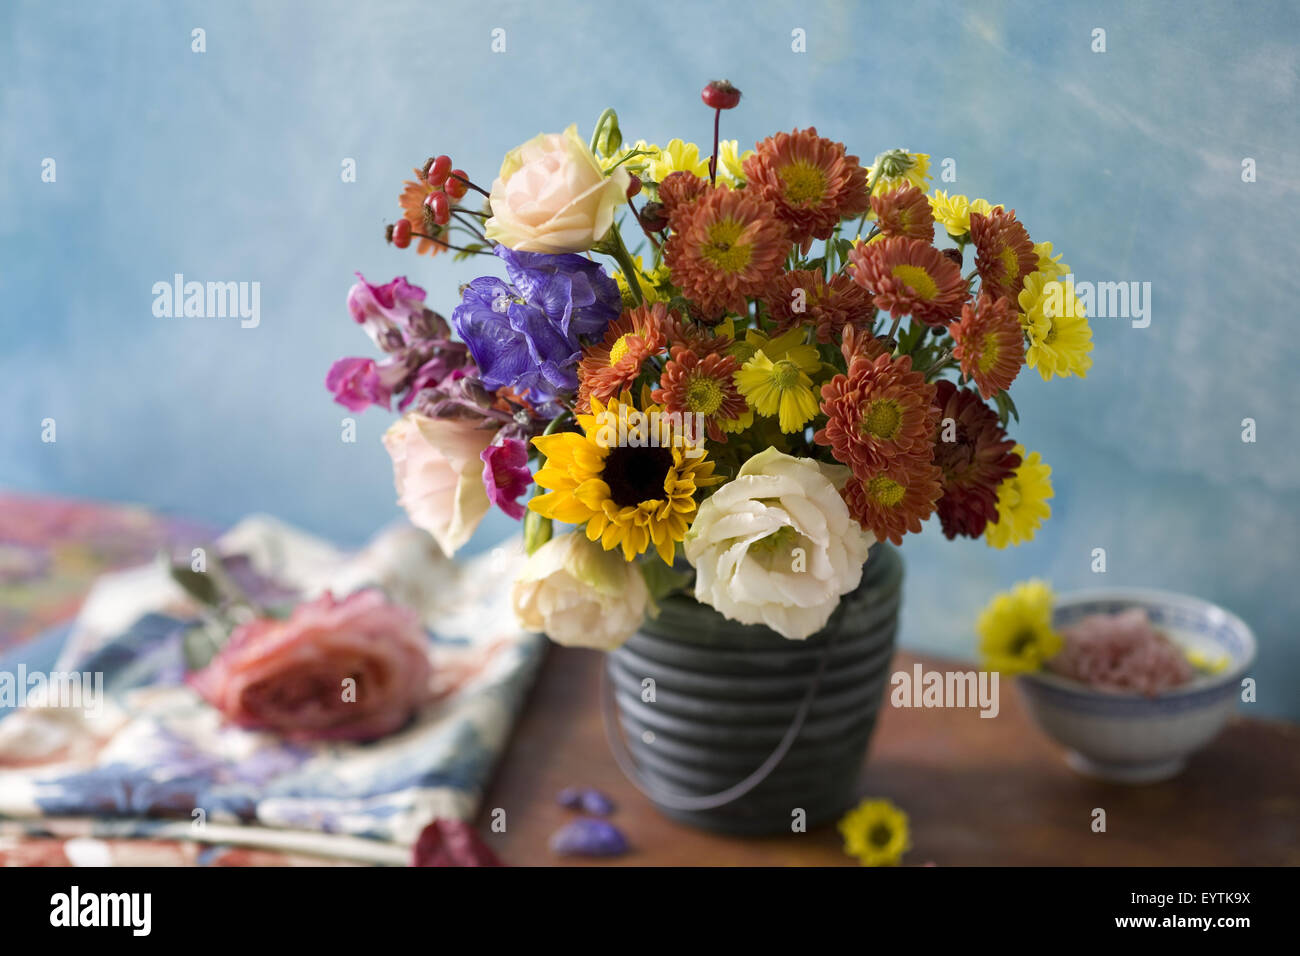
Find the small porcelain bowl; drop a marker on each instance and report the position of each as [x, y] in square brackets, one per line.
[1129, 738]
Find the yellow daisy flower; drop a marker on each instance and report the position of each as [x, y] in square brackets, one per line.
[731, 160]
[1022, 502]
[953, 212]
[630, 477]
[1016, 634]
[1051, 266]
[650, 283]
[898, 166]
[876, 832]
[677, 156]
[776, 378]
[1060, 339]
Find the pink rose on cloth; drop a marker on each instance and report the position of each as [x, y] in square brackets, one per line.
[354, 669]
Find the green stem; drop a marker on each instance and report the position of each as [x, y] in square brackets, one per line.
[601, 123]
[624, 259]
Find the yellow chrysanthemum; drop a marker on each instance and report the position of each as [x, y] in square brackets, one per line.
[898, 166]
[630, 477]
[1016, 634]
[1060, 339]
[730, 160]
[953, 212]
[776, 379]
[654, 284]
[876, 832]
[1050, 266]
[1022, 502]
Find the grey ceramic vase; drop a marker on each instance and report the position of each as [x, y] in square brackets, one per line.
[726, 697]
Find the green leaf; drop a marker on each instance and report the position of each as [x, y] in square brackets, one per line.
[202, 642]
[197, 584]
[1006, 407]
[470, 250]
[661, 579]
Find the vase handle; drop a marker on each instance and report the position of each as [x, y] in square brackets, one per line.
[709, 801]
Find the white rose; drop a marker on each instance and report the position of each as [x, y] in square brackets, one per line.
[439, 475]
[552, 196]
[579, 594]
[776, 545]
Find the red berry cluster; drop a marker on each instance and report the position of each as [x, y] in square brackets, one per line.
[448, 185]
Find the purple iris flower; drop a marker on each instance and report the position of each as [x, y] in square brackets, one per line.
[526, 335]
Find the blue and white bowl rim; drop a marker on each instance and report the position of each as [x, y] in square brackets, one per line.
[1188, 613]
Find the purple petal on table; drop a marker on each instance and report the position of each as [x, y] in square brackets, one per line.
[570, 798]
[596, 803]
[588, 837]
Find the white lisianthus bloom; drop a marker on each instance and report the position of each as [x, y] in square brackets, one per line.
[777, 546]
[552, 196]
[579, 594]
[439, 475]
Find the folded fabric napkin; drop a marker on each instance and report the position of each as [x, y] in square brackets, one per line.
[150, 759]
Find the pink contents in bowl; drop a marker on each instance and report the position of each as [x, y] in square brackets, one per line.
[1122, 653]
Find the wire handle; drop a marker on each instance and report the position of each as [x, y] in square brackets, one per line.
[710, 801]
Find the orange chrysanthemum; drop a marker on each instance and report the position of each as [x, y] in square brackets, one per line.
[861, 342]
[904, 212]
[725, 246]
[804, 297]
[613, 364]
[894, 500]
[680, 189]
[880, 412]
[703, 385]
[811, 180]
[1004, 253]
[909, 277]
[414, 212]
[989, 343]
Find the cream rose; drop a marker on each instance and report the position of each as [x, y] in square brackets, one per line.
[579, 594]
[552, 196]
[776, 545]
[439, 476]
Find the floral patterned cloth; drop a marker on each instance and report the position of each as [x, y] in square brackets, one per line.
[153, 761]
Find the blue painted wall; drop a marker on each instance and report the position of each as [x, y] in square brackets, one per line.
[225, 166]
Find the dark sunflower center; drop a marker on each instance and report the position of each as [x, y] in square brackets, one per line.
[880, 835]
[1022, 642]
[635, 475]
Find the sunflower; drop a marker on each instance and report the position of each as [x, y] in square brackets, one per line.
[703, 386]
[613, 364]
[879, 412]
[909, 277]
[974, 456]
[1022, 501]
[876, 832]
[726, 245]
[1060, 339]
[953, 212]
[630, 477]
[810, 180]
[1004, 253]
[904, 212]
[895, 499]
[804, 297]
[896, 167]
[990, 343]
[413, 211]
[1015, 629]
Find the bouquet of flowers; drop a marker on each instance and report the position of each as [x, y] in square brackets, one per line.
[791, 357]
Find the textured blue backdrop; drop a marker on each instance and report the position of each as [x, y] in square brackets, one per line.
[225, 166]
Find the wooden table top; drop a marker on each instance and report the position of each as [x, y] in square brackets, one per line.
[978, 791]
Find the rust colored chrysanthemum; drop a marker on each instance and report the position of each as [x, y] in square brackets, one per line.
[973, 455]
[613, 364]
[725, 246]
[414, 212]
[811, 180]
[878, 413]
[703, 386]
[681, 189]
[861, 342]
[904, 212]
[804, 297]
[909, 277]
[895, 500]
[989, 343]
[1004, 253]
